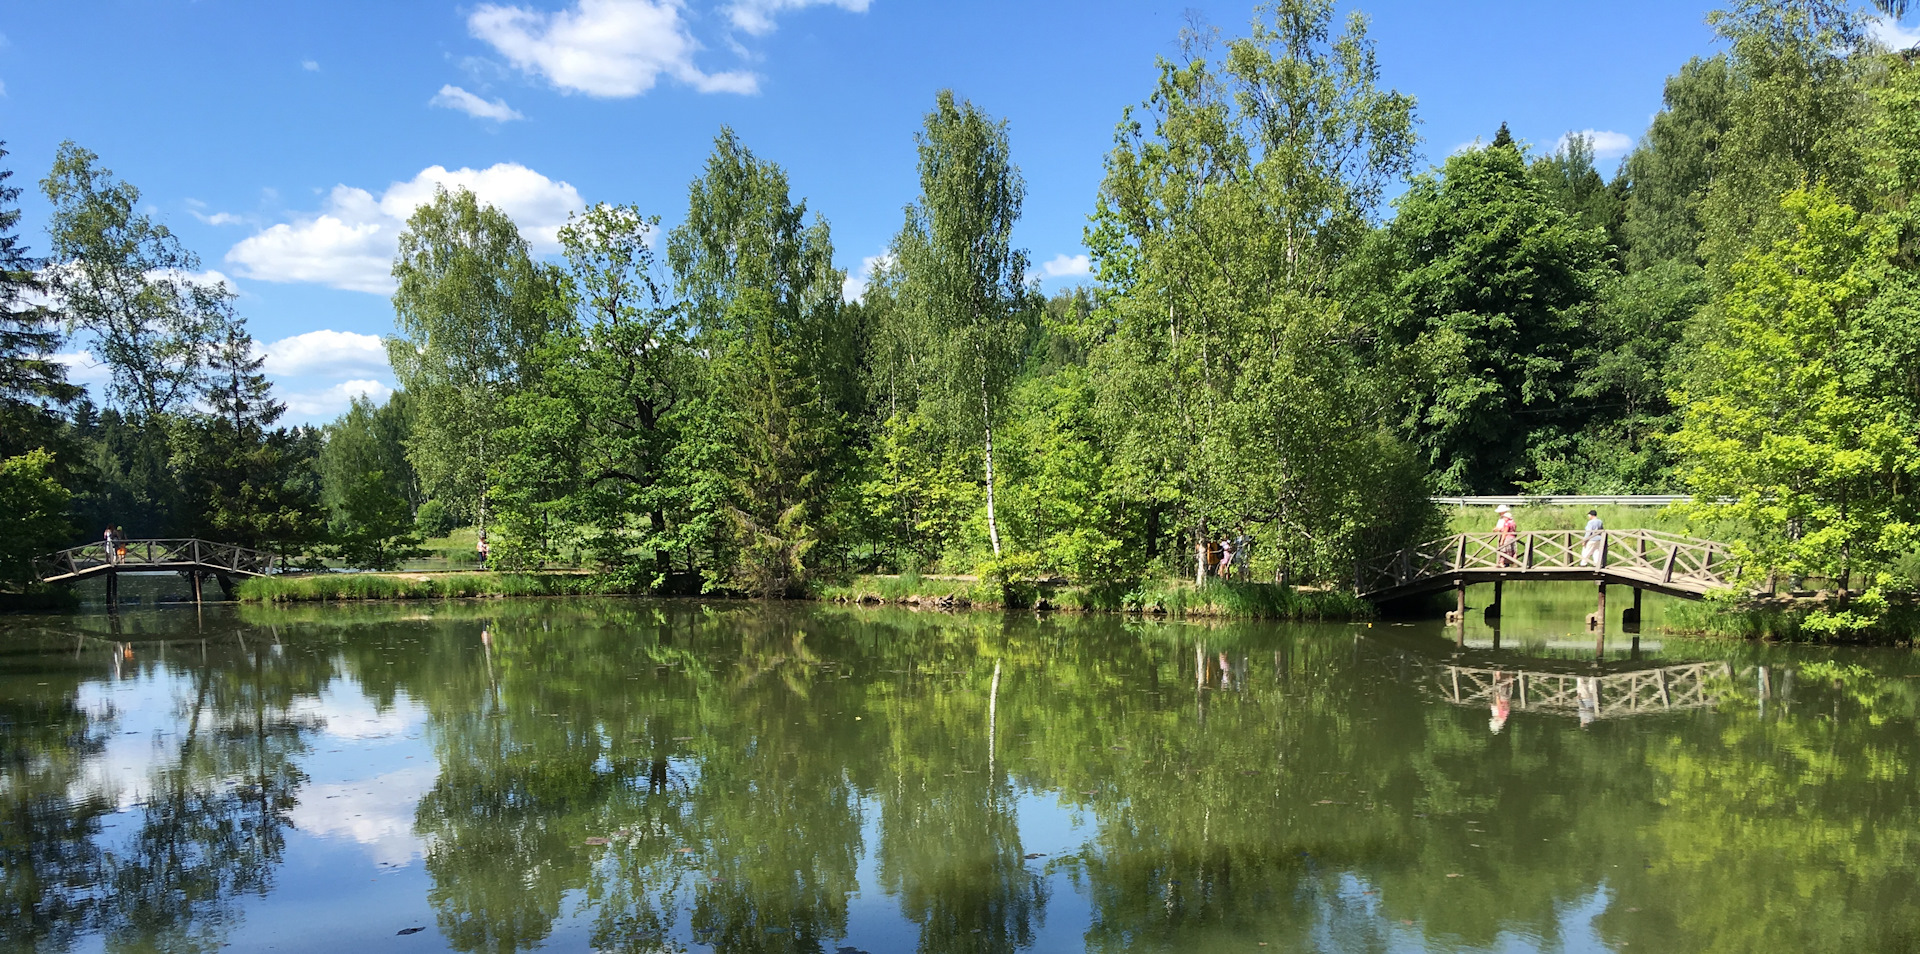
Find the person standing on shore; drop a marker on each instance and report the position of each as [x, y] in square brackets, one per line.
[1595, 541]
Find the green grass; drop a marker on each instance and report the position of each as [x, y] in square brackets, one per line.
[418, 586]
[1541, 517]
[911, 588]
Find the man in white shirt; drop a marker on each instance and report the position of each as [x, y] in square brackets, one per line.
[1595, 540]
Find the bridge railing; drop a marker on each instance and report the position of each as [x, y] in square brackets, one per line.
[153, 555]
[1658, 558]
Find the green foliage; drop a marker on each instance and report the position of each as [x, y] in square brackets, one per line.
[1489, 282]
[434, 519]
[1232, 382]
[472, 308]
[1800, 412]
[916, 493]
[33, 515]
[370, 437]
[320, 587]
[32, 386]
[373, 529]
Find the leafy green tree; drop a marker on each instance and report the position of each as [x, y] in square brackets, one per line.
[32, 387]
[434, 519]
[779, 384]
[243, 477]
[963, 281]
[370, 437]
[1568, 179]
[472, 307]
[33, 515]
[1231, 378]
[373, 528]
[916, 493]
[1490, 278]
[1673, 165]
[1801, 422]
[127, 281]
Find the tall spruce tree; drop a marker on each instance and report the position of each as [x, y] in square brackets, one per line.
[32, 386]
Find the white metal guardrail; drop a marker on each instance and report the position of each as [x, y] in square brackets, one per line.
[1603, 500]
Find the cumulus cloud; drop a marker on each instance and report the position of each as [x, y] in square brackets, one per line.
[855, 286]
[332, 402]
[376, 813]
[1894, 36]
[350, 243]
[756, 16]
[82, 367]
[1606, 144]
[453, 97]
[608, 48]
[327, 352]
[311, 66]
[1067, 266]
[218, 218]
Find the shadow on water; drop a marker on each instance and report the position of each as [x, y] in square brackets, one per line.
[658, 775]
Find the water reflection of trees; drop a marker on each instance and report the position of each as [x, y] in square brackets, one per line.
[666, 769]
[209, 826]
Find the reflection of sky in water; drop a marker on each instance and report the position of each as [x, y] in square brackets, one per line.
[352, 872]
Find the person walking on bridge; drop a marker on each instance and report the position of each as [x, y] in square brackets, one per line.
[1509, 533]
[1595, 540]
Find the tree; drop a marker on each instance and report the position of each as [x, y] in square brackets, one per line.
[1671, 168]
[472, 307]
[33, 515]
[1489, 277]
[242, 475]
[1801, 421]
[963, 279]
[763, 300]
[129, 283]
[1232, 379]
[373, 528]
[32, 386]
[369, 437]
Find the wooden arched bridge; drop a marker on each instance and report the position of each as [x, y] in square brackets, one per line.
[1643, 559]
[195, 559]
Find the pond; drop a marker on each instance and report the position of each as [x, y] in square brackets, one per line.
[632, 775]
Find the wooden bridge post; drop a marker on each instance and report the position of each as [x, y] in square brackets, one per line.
[113, 591]
[1598, 623]
[1631, 616]
[195, 574]
[1493, 612]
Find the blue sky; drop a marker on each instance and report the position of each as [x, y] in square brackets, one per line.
[285, 143]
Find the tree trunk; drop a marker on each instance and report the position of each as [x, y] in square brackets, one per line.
[993, 525]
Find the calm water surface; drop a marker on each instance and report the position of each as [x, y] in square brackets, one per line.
[662, 776]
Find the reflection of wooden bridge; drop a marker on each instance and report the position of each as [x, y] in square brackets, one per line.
[192, 558]
[1643, 559]
[1598, 694]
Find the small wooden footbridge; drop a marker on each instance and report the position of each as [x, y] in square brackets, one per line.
[193, 558]
[1666, 563]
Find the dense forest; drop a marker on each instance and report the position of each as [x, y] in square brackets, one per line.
[1295, 336]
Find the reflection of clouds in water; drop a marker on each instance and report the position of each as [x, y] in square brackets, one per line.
[376, 812]
[141, 719]
[348, 715]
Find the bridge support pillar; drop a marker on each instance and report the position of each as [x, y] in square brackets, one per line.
[1598, 622]
[1459, 614]
[1493, 611]
[113, 590]
[196, 586]
[1630, 617]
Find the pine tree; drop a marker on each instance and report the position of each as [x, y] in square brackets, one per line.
[241, 473]
[32, 387]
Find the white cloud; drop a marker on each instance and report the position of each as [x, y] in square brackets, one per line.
[610, 48]
[1067, 266]
[1893, 36]
[327, 352]
[855, 286]
[350, 243]
[218, 218]
[3, 87]
[311, 66]
[327, 404]
[83, 368]
[1606, 144]
[453, 97]
[756, 16]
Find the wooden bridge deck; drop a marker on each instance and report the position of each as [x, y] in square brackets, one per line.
[1645, 559]
[152, 556]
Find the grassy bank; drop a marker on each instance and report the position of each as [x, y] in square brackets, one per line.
[1167, 598]
[1786, 620]
[1544, 517]
[419, 586]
